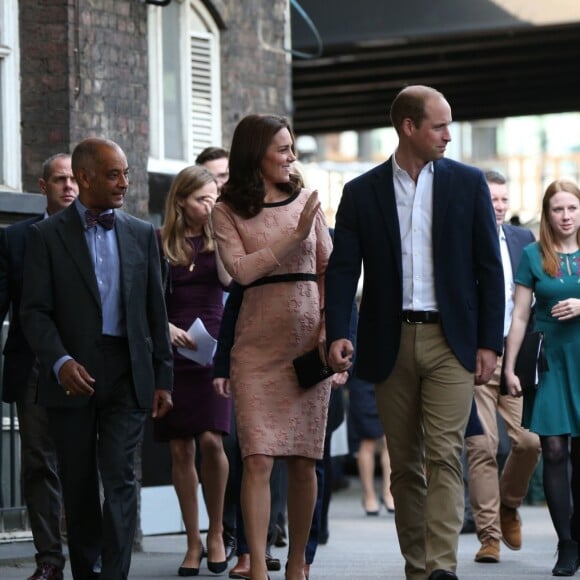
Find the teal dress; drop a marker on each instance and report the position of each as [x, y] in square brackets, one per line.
[554, 409]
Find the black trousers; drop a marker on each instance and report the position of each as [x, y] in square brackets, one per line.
[100, 439]
[39, 476]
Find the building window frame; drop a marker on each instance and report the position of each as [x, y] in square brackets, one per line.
[10, 137]
[194, 23]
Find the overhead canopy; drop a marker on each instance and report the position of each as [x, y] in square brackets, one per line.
[489, 61]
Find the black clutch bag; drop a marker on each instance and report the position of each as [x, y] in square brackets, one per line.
[310, 370]
[531, 361]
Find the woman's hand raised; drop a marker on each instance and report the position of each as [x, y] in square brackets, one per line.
[307, 216]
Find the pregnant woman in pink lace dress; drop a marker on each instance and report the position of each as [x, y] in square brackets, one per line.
[273, 239]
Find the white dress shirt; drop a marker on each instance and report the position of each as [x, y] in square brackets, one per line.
[415, 211]
[508, 277]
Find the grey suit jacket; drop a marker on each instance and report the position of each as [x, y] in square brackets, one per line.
[61, 310]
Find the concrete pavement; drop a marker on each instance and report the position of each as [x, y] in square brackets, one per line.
[360, 547]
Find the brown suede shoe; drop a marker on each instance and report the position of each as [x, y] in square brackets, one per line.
[488, 553]
[511, 527]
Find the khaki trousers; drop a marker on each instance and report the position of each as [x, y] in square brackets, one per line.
[486, 489]
[424, 407]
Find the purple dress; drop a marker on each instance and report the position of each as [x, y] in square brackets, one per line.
[196, 406]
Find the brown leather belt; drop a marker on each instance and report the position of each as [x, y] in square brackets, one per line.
[420, 316]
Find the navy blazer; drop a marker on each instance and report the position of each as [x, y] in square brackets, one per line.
[61, 309]
[516, 239]
[18, 356]
[468, 272]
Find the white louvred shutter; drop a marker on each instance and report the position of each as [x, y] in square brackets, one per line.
[201, 93]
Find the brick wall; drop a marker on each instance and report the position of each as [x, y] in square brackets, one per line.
[113, 92]
[84, 73]
[93, 82]
[45, 94]
[255, 69]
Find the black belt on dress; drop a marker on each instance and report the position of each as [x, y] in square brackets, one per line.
[420, 316]
[293, 277]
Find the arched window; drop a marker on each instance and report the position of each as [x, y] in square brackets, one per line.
[184, 78]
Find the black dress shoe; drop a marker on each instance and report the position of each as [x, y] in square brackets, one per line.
[230, 544]
[279, 537]
[442, 575]
[567, 562]
[46, 571]
[272, 564]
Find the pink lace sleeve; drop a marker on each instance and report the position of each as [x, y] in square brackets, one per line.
[244, 268]
[323, 250]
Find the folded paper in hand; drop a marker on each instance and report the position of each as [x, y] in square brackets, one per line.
[310, 370]
[206, 344]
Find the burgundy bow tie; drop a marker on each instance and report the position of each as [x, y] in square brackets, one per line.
[93, 217]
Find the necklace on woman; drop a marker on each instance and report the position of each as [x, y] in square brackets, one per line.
[196, 245]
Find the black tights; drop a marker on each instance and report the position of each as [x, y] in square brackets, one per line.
[561, 490]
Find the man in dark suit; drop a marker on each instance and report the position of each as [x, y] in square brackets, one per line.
[94, 314]
[431, 316]
[38, 468]
[494, 500]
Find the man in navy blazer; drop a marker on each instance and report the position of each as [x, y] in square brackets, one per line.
[94, 313]
[494, 499]
[431, 316]
[38, 467]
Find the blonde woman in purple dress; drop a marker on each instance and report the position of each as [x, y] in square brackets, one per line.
[195, 279]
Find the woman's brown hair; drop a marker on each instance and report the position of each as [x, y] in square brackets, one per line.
[550, 261]
[244, 191]
[174, 231]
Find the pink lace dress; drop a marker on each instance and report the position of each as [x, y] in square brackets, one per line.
[278, 321]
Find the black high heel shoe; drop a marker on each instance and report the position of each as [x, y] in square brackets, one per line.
[216, 567]
[390, 510]
[567, 562]
[186, 571]
[370, 512]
